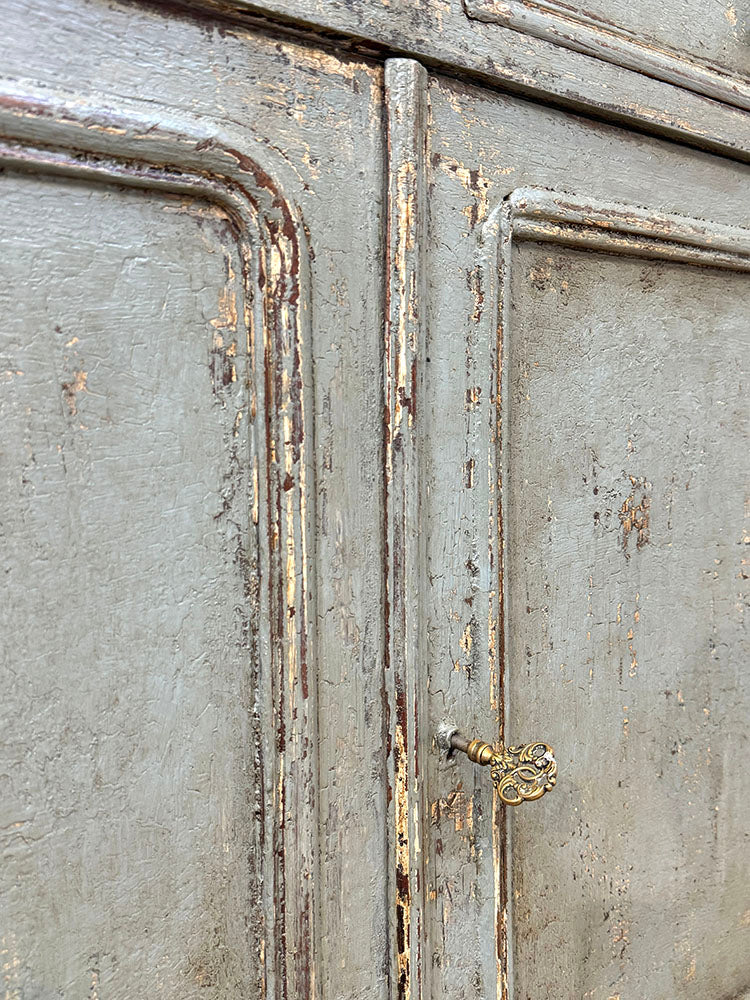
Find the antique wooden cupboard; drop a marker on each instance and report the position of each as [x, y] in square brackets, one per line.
[371, 367]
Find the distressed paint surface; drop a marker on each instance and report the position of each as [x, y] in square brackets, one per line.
[645, 354]
[307, 832]
[696, 45]
[629, 649]
[306, 580]
[676, 95]
[128, 830]
[274, 576]
[405, 669]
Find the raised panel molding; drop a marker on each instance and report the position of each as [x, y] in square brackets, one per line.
[561, 24]
[539, 214]
[47, 134]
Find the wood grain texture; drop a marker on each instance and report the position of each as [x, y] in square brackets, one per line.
[313, 572]
[440, 35]
[619, 312]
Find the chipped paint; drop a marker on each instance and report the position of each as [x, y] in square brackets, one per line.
[403, 348]
[287, 537]
[71, 389]
[227, 318]
[634, 514]
[476, 186]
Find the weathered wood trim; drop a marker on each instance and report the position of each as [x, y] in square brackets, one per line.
[489, 289]
[608, 41]
[545, 216]
[507, 58]
[407, 738]
[410, 738]
[53, 134]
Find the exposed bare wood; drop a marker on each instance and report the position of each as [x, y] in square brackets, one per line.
[408, 737]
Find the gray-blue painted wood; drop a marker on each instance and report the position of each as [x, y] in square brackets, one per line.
[342, 399]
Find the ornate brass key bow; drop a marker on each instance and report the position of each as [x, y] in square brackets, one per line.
[520, 773]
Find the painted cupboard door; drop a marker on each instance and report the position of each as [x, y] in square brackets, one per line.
[569, 326]
[191, 373]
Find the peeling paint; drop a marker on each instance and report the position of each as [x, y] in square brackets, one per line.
[634, 514]
[71, 389]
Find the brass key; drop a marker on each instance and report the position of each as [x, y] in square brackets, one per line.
[520, 773]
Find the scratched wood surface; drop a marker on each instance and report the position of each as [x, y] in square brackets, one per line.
[171, 821]
[623, 463]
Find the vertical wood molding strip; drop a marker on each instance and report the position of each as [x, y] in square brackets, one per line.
[404, 353]
[560, 218]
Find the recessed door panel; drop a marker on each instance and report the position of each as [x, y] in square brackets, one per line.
[130, 788]
[625, 434]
